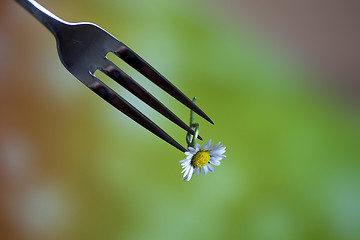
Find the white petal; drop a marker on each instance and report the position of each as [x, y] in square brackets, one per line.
[223, 149]
[192, 150]
[215, 146]
[197, 147]
[219, 147]
[206, 146]
[216, 163]
[215, 158]
[186, 161]
[211, 168]
[187, 169]
[188, 153]
[184, 169]
[199, 172]
[213, 149]
[216, 152]
[190, 174]
[185, 164]
[205, 168]
[183, 160]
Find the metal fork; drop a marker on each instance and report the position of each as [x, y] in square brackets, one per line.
[82, 49]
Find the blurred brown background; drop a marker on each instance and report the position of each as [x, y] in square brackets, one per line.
[277, 77]
[324, 35]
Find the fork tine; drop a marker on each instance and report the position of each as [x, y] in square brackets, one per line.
[131, 85]
[135, 61]
[121, 104]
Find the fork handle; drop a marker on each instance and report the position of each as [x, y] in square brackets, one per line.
[47, 18]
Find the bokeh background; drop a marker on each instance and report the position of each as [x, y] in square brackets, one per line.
[73, 167]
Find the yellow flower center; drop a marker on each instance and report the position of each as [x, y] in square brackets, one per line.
[200, 159]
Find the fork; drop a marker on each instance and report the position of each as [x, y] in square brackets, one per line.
[82, 48]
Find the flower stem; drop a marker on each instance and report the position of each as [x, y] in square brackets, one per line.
[197, 129]
[192, 115]
[191, 139]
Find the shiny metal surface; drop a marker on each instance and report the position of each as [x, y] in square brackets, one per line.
[82, 49]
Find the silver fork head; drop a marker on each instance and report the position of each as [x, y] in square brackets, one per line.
[83, 48]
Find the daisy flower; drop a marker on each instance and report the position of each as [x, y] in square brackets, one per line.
[202, 158]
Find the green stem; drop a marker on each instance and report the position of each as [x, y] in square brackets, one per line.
[191, 139]
[192, 115]
[197, 129]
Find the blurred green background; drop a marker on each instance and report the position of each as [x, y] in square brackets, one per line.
[73, 167]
